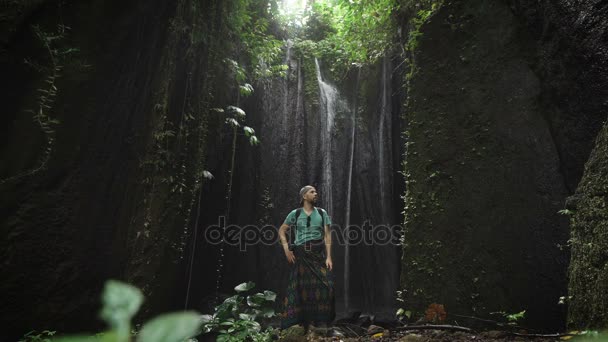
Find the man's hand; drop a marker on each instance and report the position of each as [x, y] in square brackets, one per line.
[329, 264]
[291, 258]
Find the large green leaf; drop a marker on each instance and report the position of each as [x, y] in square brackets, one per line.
[247, 317]
[120, 302]
[267, 312]
[270, 296]
[226, 309]
[248, 131]
[254, 141]
[236, 111]
[256, 300]
[172, 327]
[244, 286]
[246, 89]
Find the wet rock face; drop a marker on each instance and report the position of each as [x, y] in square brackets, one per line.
[572, 63]
[506, 100]
[77, 222]
[491, 158]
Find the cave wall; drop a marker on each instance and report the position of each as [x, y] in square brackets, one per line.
[117, 195]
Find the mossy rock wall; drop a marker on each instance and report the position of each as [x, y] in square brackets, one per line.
[483, 178]
[588, 274]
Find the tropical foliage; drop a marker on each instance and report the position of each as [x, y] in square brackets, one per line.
[237, 318]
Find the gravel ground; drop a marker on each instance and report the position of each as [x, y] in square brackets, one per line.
[411, 336]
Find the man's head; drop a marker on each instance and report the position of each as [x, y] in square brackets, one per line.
[308, 193]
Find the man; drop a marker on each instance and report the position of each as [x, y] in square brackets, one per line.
[310, 292]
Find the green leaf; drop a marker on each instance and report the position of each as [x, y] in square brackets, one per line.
[246, 317]
[120, 302]
[232, 122]
[516, 316]
[172, 327]
[256, 300]
[248, 131]
[206, 318]
[268, 312]
[246, 89]
[238, 112]
[207, 174]
[255, 326]
[224, 310]
[244, 286]
[270, 296]
[254, 141]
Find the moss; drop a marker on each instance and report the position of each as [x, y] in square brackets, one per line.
[588, 273]
[471, 178]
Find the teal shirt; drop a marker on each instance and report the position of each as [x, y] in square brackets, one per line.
[304, 233]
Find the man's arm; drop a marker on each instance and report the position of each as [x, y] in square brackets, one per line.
[328, 261]
[291, 258]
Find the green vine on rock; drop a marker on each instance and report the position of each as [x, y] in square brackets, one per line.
[47, 93]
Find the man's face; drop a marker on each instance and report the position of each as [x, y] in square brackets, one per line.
[311, 195]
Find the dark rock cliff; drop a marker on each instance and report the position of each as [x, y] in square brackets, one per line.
[500, 122]
[107, 188]
[573, 61]
[588, 283]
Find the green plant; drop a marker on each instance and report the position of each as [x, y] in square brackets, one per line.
[120, 303]
[236, 319]
[421, 17]
[47, 93]
[515, 317]
[402, 314]
[34, 336]
[512, 318]
[235, 118]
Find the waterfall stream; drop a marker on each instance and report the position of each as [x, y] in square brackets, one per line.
[329, 102]
[349, 195]
[338, 138]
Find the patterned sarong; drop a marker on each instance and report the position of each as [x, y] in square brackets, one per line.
[310, 291]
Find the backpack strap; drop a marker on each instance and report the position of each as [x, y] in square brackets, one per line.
[295, 228]
[322, 218]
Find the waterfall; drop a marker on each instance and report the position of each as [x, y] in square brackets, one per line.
[385, 278]
[329, 101]
[384, 146]
[349, 194]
